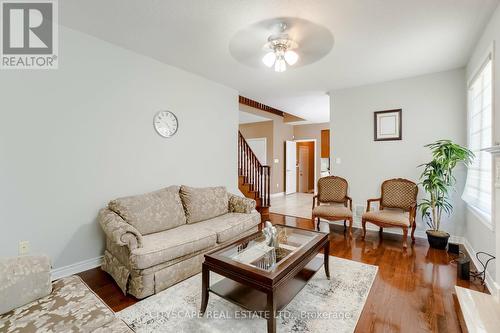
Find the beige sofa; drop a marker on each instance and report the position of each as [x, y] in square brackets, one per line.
[31, 303]
[157, 239]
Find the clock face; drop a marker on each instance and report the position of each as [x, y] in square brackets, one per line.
[165, 123]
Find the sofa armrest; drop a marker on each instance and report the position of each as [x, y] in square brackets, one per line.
[119, 231]
[23, 280]
[239, 204]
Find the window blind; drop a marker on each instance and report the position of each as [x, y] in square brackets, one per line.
[478, 187]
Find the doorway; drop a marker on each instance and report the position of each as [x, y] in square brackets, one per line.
[294, 167]
[305, 166]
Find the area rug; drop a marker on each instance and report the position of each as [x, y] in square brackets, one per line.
[321, 306]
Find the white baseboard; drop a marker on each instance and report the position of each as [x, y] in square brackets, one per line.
[78, 267]
[489, 280]
[279, 194]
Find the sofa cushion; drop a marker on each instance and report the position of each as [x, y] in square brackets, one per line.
[170, 244]
[204, 203]
[71, 307]
[23, 280]
[151, 212]
[230, 225]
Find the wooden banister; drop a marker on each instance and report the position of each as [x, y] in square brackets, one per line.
[258, 176]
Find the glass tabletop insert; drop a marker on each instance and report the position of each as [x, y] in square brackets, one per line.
[255, 252]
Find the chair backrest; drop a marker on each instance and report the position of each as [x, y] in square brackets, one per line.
[332, 189]
[399, 193]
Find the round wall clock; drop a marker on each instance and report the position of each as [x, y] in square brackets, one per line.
[165, 123]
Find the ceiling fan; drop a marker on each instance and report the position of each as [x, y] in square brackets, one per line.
[281, 50]
[281, 43]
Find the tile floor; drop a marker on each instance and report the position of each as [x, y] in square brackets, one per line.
[296, 204]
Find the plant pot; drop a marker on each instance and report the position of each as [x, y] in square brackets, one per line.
[437, 239]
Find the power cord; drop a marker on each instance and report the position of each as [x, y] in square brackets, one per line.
[476, 275]
[481, 275]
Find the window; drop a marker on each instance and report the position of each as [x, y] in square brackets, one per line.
[478, 188]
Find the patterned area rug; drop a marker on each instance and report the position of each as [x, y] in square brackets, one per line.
[322, 306]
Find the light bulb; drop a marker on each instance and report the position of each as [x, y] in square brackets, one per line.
[280, 65]
[291, 57]
[269, 59]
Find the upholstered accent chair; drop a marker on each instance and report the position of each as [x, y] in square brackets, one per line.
[397, 208]
[331, 202]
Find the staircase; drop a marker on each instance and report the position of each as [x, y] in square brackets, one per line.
[254, 179]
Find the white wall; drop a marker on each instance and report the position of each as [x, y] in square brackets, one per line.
[434, 107]
[74, 138]
[480, 237]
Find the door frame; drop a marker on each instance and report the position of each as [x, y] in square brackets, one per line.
[315, 160]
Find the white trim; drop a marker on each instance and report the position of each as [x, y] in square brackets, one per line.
[78, 267]
[315, 161]
[489, 54]
[489, 281]
[486, 220]
[279, 194]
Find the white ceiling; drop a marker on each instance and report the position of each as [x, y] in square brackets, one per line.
[374, 40]
[247, 118]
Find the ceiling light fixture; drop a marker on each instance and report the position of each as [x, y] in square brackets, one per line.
[281, 51]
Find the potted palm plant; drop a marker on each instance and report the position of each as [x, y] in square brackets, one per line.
[437, 180]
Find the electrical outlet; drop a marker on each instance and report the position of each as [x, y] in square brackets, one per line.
[24, 247]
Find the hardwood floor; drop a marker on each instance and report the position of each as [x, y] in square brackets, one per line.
[413, 291]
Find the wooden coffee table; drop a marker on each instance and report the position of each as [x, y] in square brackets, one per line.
[252, 283]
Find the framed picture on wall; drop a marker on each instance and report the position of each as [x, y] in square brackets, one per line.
[387, 125]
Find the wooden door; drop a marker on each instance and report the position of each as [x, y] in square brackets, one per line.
[303, 169]
[325, 143]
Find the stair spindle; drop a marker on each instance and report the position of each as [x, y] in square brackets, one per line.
[256, 176]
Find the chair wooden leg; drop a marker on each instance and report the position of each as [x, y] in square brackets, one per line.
[350, 227]
[317, 225]
[413, 227]
[381, 230]
[363, 224]
[345, 227]
[405, 237]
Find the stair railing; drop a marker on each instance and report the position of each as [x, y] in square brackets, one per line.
[256, 174]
